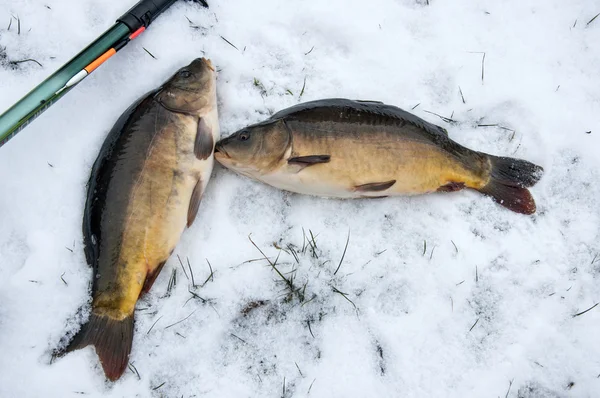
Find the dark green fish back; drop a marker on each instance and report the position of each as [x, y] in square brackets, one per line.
[359, 113]
[322, 116]
[114, 172]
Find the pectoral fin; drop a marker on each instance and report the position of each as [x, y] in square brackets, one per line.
[194, 203]
[309, 160]
[204, 144]
[374, 186]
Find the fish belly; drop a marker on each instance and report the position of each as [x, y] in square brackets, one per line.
[356, 171]
[157, 211]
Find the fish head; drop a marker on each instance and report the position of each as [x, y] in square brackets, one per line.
[255, 150]
[192, 89]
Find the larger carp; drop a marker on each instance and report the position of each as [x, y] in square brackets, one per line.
[352, 149]
[145, 188]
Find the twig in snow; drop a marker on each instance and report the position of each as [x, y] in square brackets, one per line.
[303, 87]
[291, 249]
[159, 386]
[134, 370]
[570, 385]
[149, 53]
[509, 386]
[343, 254]
[482, 67]
[172, 282]
[181, 320]
[309, 51]
[183, 268]
[382, 362]
[211, 276]
[230, 43]
[454, 245]
[239, 338]
[444, 118]
[415, 106]
[191, 272]
[592, 20]
[151, 327]
[474, 324]
[345, 295]
[589, 309]
[461, 95]
[496, 125]
[482, 62]
[424, 247]
[26, 60]
[310, 329]
[299, 369]
[63, 279]
[311, 384]
[286, 280]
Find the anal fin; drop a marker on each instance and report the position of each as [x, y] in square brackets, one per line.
[452, 187]
[151, 277]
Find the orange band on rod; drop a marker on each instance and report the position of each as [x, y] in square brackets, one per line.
[100, 60]
[137, 33]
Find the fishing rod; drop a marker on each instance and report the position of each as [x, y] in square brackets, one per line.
[129, 26]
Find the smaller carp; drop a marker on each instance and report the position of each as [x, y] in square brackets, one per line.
[362, 149]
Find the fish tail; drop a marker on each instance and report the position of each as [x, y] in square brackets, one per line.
[508, 183]
[112, 339]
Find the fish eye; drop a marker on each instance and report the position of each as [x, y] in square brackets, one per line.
[244, 136]
[185, 73]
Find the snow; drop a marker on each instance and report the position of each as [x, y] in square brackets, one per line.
[443, 295]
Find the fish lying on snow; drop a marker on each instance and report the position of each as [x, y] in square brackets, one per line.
[353, 149]
[144, 189]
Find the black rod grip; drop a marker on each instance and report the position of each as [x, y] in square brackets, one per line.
[144, 12]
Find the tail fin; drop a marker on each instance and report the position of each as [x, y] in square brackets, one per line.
[509, 181]
[112, 339]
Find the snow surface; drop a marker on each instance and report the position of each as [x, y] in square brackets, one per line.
[444, 295]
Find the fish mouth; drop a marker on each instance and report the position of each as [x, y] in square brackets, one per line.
[208, 63]
[221, 152]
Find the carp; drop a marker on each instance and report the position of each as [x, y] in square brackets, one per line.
[144, 189]
[344, 148]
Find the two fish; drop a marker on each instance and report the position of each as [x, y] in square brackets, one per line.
[147, 182]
